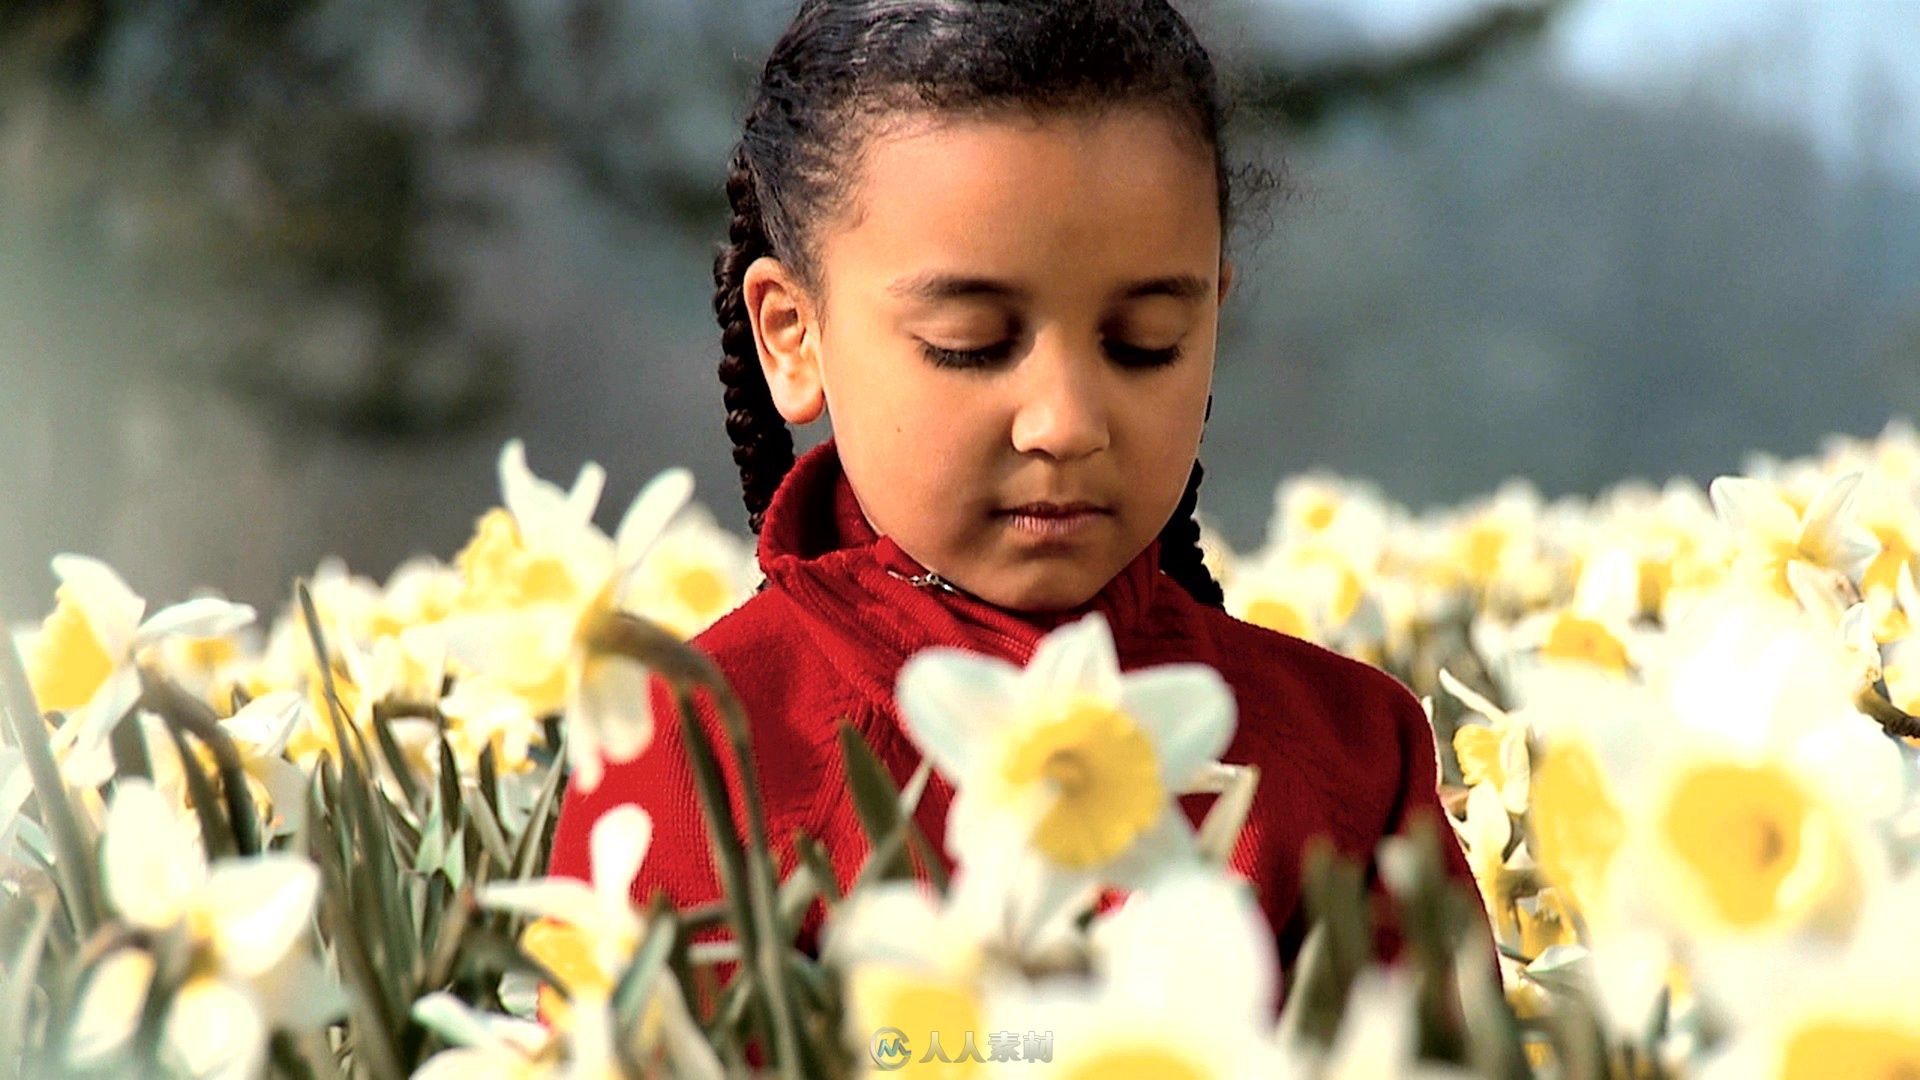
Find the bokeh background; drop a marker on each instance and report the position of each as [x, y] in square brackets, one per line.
[277, 280]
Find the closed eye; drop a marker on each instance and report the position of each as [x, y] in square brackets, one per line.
[1127, 356]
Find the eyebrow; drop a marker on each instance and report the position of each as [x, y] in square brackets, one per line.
[934, 285]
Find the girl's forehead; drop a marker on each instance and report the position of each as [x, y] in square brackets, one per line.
[1009, 194]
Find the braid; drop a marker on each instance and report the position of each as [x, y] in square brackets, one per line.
[762, 445]
[1180, 547]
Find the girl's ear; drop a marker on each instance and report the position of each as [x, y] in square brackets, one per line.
[1226, 279]
[787, 336]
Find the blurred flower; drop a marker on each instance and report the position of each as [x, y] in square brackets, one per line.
[1184, 985]
[80, 662]
[695, 573]
[242, 919]
[540, 580]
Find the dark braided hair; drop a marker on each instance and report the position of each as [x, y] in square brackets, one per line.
[843, 68]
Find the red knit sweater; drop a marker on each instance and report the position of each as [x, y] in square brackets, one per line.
[1344, 750]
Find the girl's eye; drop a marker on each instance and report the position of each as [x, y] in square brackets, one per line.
[1133, 357]
[966, 358]
[1128, 356]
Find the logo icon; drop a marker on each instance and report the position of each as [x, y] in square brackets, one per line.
[889, 1049]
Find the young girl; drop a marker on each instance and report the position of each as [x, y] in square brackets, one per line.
[988, 238]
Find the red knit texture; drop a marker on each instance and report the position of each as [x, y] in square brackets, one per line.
[1344, 750]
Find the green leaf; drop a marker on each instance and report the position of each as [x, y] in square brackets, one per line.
[18, 983]
[396, 761]
[883, 809]
[372, 1023]
[815, 857]
[527, 857]
[214, 829]
[184, 712]
[73, 845]
[1336, 949]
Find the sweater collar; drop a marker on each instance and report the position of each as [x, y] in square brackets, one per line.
[864, 593]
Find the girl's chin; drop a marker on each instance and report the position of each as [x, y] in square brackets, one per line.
[1051, 589]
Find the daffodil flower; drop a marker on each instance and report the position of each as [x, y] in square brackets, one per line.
[1065, 770]
[242, 918]
[541, 579]
[1183, 985]
[593, 944]
[911, 963]
[1771, 534]
[81, 662]
[1850, 1012]
[696, 573]
[1494, 753]
[488, 1047]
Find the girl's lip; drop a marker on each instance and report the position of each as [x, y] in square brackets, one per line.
[1055, 510]
[1054, 524]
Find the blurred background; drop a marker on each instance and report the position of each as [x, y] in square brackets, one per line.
[277, 280]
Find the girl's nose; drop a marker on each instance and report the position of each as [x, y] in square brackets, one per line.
[1060, 409]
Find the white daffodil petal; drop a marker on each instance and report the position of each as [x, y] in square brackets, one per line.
[493, 1062]
[953, 702]
[1078, 657]
[891, 922]
[647, 516]
[149, 862]
[258, 907]
[112, 608]
[566, 899]
[262, 726]
[454, 1020]
[1196, 942]
[1470, 697]
[214, 1031]
[584, 496]
[1857, 764]
[1186, 709]
[110, 1005]
[618, 846]
[527, 497]
[1378, 1033]
[613, 698]
[204, 617]
[1166, 848]
[1750, 505]
[1829, 515]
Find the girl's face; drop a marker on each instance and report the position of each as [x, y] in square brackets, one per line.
[1018, 312]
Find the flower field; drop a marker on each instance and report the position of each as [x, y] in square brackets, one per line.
[1677, 730]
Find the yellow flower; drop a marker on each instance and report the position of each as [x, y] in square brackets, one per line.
[540, 579]
[1065, 769]
[695, 573]
[1755, 847]
[1578, 826]
[244, 917]
[1771, 533]
[81, 661]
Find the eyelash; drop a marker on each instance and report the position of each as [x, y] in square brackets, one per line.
[1129, 357]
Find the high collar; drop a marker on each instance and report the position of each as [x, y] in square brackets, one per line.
[852, 585]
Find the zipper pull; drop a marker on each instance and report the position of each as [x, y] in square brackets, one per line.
[924, 581]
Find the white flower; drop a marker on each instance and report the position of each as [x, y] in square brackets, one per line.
[540, 579]
[694, 574]
[244, 919]
[1065, 770]
[1184, 985]
[598, 931]
[81, 662]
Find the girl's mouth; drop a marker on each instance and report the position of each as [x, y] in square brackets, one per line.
[1054, 521]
